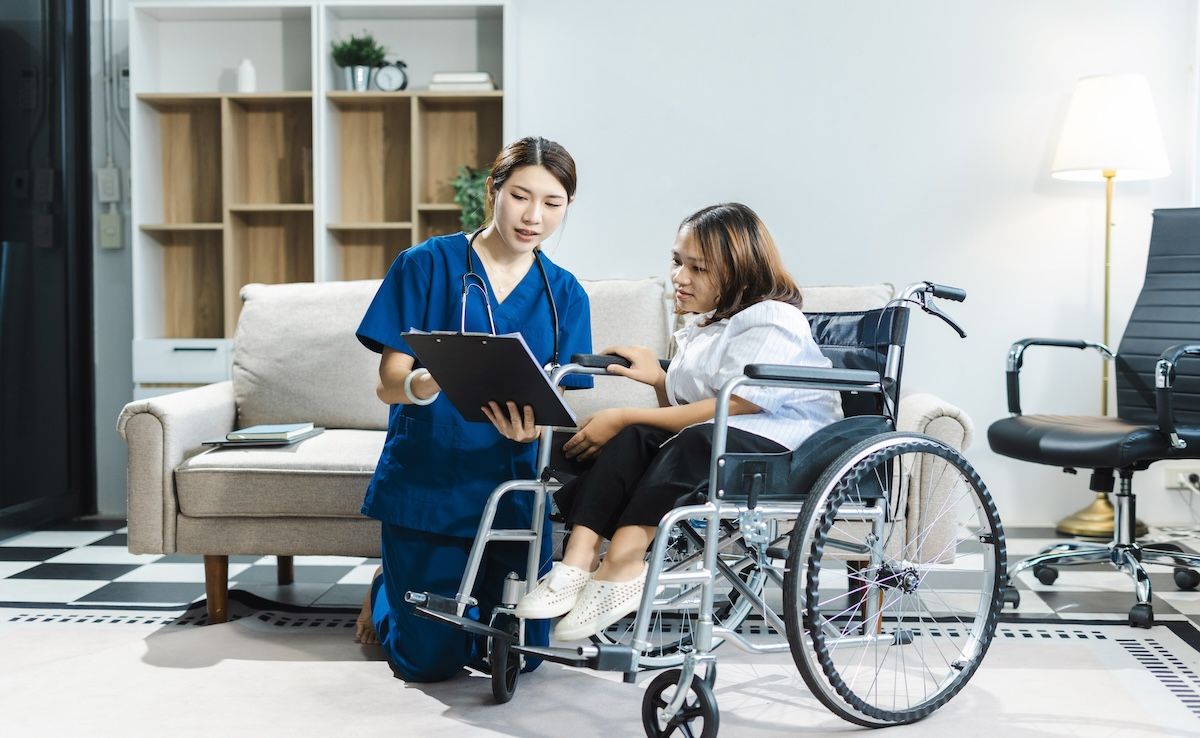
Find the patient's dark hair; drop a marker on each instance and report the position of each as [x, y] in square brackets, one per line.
[742, 257]
[525, 152]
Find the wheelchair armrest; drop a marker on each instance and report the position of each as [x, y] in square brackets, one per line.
[844, 379]
[1016, 359]
[602, 361]
[1164, 379]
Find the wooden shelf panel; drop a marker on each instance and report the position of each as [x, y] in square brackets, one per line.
[189, 131]
[371, 226]
[192, 283]
[348, 97]
[267, 98]
[271, 247]
[439, 206]
[451, 133]
[183, 227]
[271, 207]
[268, 150]
[375, 149]
[437, 223]
[367, 254]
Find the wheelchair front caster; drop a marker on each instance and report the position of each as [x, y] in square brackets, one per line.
[1010, 596]
[1045, 574]
[505, 663]
[1141, 616]
[699, 704]
[1186, 579]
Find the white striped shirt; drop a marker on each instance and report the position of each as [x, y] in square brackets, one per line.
[765, 333]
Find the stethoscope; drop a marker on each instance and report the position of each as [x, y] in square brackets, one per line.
[474, 279]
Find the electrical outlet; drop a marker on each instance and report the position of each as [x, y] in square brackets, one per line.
[110, 230]
[108, 184]
[1185, 478]
[123, 88]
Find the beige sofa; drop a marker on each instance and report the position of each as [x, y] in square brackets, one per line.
[296, 359]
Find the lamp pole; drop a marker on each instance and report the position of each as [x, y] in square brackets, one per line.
[1108, 198]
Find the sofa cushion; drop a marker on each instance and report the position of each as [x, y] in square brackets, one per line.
[295, 357]
[846, 298]
[323, 476]
[632, 312]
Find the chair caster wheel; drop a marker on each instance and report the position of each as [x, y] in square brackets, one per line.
[699, 705]
[1011, 596]
[1186, 579]
[505, 663]
[1141, 616]
[1045, 574]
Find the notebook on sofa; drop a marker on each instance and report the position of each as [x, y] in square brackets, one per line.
[283, 434]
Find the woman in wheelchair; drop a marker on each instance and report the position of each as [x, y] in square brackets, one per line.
[728, 271]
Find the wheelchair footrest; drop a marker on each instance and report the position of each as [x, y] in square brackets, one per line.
[565, 656]
[463, 623]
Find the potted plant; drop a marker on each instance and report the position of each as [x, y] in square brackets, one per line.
[469, 188]
[358, 57]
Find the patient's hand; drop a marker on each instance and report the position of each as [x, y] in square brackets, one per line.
[645, 367]
[594, 433]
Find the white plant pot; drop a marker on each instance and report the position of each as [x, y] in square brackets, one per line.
[358, 78]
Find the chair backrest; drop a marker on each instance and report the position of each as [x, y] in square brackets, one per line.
[1167, 312]
[861, 340]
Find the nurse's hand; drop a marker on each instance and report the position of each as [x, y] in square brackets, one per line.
[512, 424]
[594, 433]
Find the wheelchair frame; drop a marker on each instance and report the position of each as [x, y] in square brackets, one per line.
[756, 522]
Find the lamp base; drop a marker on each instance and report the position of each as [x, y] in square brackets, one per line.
[1095, 521]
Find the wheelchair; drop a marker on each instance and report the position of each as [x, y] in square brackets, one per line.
[889, 602]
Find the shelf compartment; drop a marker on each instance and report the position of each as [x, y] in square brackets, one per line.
[192, 270]
[438, 223]
[453, 132]
[367, 253]
[375, 153]
[189, 132]
[268, 144]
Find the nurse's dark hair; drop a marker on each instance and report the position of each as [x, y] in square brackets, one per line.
[527, 152]
[742, 258]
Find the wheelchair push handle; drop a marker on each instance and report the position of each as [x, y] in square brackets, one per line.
[922, 292]
[947, 292]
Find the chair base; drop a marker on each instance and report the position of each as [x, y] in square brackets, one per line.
[1123, 552]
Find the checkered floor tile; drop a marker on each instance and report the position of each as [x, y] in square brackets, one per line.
[86, 562]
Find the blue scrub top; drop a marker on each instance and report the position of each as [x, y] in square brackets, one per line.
[437, 470]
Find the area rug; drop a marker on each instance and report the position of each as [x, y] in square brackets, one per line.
[275, 672]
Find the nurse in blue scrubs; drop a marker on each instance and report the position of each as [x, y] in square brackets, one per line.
[437, 470]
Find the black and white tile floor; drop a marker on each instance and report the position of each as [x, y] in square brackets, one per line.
[86, 563]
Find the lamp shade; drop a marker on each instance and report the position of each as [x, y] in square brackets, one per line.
[1111, 126]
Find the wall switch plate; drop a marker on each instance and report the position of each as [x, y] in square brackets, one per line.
[19, 184]
[108, 184]
[123, 88]
[44, 184]
[110, 230]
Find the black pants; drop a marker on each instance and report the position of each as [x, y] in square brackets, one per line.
[642, 472]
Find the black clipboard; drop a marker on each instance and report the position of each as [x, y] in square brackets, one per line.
[474, 368]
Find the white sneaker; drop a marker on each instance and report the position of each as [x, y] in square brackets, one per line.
[600, 605]
[554, 594]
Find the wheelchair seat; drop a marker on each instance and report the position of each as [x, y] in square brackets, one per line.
[1085, 441]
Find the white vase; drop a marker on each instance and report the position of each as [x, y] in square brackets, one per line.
[246, 77]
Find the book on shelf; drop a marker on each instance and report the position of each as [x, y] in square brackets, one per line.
[278, 432]
[461, 86]
[462, 78]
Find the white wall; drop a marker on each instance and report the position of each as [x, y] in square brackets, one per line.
[880, 142]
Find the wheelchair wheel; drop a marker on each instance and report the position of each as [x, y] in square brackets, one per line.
[671, 625]
[888, 620]
[505, 663]
[699, 705]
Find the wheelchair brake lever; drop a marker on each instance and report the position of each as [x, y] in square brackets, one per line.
[933, 309]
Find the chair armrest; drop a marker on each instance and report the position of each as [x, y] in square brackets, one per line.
[160, 433]
[927, 530]
[846, 379]
[1016, 359]
[1164, 379]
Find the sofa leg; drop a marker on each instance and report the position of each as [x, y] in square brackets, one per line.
[284, 570]
[216, 587]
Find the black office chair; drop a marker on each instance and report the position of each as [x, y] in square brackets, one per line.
[1158, 414]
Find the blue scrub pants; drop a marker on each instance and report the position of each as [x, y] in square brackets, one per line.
[422, 650]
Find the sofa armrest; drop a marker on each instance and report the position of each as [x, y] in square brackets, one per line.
[930, 532]
[160, 433]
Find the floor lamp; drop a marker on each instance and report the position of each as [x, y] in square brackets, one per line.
[1111, 133]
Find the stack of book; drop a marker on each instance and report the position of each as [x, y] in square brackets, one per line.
[462, 81]
[283, 434]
